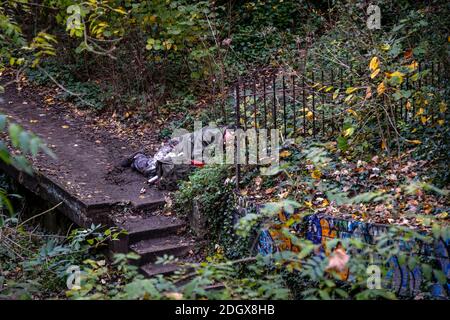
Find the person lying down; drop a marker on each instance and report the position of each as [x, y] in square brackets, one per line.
[174, 159]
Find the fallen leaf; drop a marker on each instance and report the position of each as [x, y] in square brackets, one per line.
[285, 154]
[316, 174]
[408, 54]
[375, 73]
[423, 119]
[442, 215]
[174, 295]
[413, 66]
[350, 90]
[408, 105]
[381, 88]
[374, 63]
[338, 260]
[368, 93]
[101, 262]
[283, 195]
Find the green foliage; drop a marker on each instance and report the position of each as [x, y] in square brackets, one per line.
[27, 144]
[377, 63]
[434, 148]
[100, 282]
[208, 187]
[34, 264]
[24, 141]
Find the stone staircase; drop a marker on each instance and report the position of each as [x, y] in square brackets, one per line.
[153, 237]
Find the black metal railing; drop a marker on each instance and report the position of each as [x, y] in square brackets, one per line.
[314, 102]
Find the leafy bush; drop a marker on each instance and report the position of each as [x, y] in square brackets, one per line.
[209, 188]
[34, 264]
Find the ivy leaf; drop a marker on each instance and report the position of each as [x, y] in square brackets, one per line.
[426, 269]
[342, 143]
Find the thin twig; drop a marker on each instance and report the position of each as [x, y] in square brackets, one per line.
[78, 95]
[40, 214]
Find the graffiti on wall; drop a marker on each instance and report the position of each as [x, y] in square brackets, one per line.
[320, 228]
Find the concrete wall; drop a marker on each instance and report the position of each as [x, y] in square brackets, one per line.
[320, 228]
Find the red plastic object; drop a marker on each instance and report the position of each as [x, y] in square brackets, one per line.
[198, 164]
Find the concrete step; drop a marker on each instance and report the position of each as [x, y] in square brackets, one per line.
[152, 227]
[150, 269]
[151, 249]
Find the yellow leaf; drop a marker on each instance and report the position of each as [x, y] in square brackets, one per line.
[441, 122]
[308, 204]
[335, 94]
[65, 126]
[375, 73]
[381, 88]
[420, 111]
[383, 144]
[414, 141]
[285, 154]
[395, 74]
[413, 65]
[348, 98]
[309, 115]
[352, 112]
[423, 119]
[120, 10]
[374, 63]
[316, 174]
[385, 47]
[128, 114]
[350, 90]
[442, 215]
[349, 131]
[442, 107]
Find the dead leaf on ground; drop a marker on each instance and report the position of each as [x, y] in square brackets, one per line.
[338, 260]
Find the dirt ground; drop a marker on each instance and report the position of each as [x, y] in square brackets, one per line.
[89, 148]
